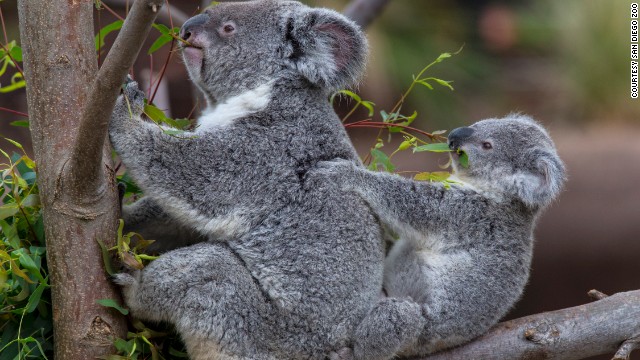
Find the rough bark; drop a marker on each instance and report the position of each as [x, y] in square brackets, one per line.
[94, 123]
[75, 174]
[579, 332]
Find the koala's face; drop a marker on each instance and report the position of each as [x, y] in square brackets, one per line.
[235, 47]
[514, 154]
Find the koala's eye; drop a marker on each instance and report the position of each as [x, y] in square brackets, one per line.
[228, 28]
[487, 145]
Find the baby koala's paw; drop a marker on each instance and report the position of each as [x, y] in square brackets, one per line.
[335, 168]
[133, 96]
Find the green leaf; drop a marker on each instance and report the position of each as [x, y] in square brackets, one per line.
[405, 145]
[123, 345]
[16, 53]
[380, 158]
[15, 85]
[164, 30]
[437, 147]
[351, 94]
[113, 304]
[155, 114]
[160, 41]
[444, 56]
[8, 210]
[99, 39]
[464, 159]
[444, 83]
[11, 234]
[21, 123]
[407, 121]
[388, 117]
[35, 296]
[30, 201]
[369, 105]
[425, 83]
[27, 262]
[106, 258]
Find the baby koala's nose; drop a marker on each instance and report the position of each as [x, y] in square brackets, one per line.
[458, 136]
[192, 26]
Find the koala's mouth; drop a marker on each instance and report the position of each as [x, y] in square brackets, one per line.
[191, 47]
[193, 55]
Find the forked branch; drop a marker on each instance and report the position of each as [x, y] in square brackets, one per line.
[86, 163]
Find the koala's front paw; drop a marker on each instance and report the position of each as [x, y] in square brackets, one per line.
[124, 280]
[132, 97]
[129, 284]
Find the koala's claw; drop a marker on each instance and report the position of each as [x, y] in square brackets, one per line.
[123, 279]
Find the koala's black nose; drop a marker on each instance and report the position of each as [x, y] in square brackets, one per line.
[459, 135]
[192, 25]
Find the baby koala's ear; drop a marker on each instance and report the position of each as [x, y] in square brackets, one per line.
[539, 186]
[325, 47]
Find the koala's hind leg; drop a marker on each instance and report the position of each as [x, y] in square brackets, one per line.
[390, 326]
[210, 297]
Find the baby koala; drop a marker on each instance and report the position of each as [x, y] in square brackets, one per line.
[464, 253]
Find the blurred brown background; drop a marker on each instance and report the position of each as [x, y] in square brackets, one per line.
[567, 63]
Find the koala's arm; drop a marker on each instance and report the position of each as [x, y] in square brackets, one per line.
[160, 163]
[148, 219]
[400, 203]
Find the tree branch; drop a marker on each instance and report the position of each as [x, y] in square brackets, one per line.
[601, 327]
[363, 12]
[86, 158]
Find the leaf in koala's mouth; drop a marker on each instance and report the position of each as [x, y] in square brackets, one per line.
[463, 158]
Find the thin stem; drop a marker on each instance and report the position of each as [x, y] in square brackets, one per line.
[111, 11]
[150, 73]
[383, 125]
[14, 112]
[4, 29]
[164, 68]
[351, 112]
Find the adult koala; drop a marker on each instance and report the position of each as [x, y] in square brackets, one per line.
[293, 263]
[464, 252]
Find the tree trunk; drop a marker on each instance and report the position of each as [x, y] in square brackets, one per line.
[60, 66]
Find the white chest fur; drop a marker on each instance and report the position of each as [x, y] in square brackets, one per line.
[236, 107]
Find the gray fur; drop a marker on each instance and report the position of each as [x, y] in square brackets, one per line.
[464, 253]
[293, 263]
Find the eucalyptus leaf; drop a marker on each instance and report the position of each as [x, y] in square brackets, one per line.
[113, 304]
[106, 30]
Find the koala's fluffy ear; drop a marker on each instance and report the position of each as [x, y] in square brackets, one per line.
[325, 47]
[541, 186]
